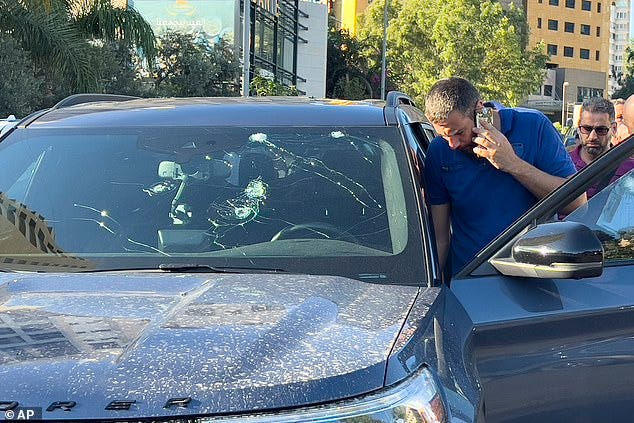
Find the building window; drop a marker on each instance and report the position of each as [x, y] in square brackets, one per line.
[553, 2]
[570, 4]
[539, 22]
[584, 53]
[552, 49]
[569, 27]
[584, 93]
[548, 90]
[585, 29]
[596, 55]
[598, 31]
[586, 5]
[598, 7]
[553, 25]
[569, 51]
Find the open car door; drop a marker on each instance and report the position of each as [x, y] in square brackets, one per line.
[551, 303]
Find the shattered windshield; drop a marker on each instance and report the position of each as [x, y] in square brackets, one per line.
[296, 199]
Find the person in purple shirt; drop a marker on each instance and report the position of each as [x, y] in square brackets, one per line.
[597, 126]
[480, 180]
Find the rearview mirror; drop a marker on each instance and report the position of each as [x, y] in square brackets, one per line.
[558, 250]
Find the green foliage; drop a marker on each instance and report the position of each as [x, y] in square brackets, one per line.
[262, 86]
[20, 90]
[627, 88]
[190, 66]
[621, 248]
[627, 79]
[47, 33]
[475, 39]
[351, 89]
[118, 68]
[116, 71]
[98, 19]
[56, 33]
[350, 74]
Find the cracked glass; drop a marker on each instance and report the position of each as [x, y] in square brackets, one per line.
[105, 198]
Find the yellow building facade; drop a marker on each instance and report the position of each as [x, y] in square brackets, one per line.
[347, 11]
[576, 33]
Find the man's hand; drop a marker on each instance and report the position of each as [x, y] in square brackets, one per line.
[495, 147]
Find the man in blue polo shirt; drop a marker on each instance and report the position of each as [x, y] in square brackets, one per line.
[480, 180]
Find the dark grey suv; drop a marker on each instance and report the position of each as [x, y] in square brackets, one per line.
[272, 259]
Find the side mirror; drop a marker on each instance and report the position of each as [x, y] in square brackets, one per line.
[558, 250]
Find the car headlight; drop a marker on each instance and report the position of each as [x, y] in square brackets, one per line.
[416, 400]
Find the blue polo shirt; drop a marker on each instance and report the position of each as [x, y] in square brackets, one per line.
[485, 201]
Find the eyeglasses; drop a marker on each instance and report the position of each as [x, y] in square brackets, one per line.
[600, 130]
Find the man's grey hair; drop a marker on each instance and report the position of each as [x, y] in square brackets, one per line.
[599, 105]
[616, 101]
[448, 95]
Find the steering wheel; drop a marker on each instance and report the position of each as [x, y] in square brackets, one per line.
[314, 230]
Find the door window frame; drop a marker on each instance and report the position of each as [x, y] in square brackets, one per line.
[543, 211]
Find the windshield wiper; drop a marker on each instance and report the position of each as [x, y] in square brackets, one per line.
[203, 268]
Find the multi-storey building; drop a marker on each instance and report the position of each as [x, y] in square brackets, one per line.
[586, 41]
[577, 36]
[619, 40]
[287, 37]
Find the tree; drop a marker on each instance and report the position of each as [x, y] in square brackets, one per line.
[348, 73]
[475, 39]
[99, 19]
[190, 66]
[56, 33]
[48, 35]
[627, 79]
[265, 84]
[20, 90]
[118, 69]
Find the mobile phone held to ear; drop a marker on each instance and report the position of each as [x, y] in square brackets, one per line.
[486, 114]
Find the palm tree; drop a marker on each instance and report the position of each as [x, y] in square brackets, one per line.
[56, 32]
[101, 20]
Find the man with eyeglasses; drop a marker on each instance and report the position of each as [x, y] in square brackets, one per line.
[597, 126]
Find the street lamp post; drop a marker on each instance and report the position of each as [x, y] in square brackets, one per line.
[563, 104]
[246, 47]
[384, 52]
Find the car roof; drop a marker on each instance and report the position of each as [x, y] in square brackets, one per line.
[215, 111]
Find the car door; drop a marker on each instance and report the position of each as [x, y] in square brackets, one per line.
[557, 348]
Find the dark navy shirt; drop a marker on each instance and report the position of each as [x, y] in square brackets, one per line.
[484, 201]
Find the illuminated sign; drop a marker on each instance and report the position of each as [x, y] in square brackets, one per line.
[217, 18]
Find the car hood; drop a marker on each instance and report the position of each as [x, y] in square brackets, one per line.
[226, 343]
